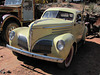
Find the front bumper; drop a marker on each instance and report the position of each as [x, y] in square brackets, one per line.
[34, 55]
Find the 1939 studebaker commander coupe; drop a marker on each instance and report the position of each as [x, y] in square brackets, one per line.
[54, 37]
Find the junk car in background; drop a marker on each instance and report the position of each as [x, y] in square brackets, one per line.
[15, 13]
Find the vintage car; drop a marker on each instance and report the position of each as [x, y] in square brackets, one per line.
[54, 37]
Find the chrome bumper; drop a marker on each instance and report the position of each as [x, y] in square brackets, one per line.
[34, 55]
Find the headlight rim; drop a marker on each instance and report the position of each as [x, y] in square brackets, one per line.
[11, 35]
[62, 42]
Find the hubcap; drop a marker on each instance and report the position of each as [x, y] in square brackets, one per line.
[10, 27]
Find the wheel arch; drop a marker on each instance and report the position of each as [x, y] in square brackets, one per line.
[10, 18]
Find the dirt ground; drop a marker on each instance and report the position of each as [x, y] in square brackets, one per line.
[85, 62]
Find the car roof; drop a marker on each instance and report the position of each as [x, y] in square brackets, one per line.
[63, 9]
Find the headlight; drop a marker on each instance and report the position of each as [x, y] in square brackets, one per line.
[11, 35]
[60, 45]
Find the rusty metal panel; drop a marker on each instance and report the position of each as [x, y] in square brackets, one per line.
[8, 9]
[19, 13]
[27, 10]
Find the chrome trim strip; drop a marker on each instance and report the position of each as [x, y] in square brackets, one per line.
[57, 26]
[38, 56]
[30, 35]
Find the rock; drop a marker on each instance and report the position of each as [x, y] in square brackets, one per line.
[1, 56]
[8, 71]
[3, 72]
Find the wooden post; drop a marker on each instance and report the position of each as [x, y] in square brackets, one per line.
[34, 9]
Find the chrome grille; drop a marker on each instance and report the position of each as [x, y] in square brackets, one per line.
[22, 42]
[43, 46]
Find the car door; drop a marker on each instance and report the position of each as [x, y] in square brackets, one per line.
[78, 27]
[28, 10]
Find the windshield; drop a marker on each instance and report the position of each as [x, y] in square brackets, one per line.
[50, 14]
[58, 14]
[13, 2]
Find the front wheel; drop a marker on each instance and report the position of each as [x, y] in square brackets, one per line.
[68, 60]
[7, 29]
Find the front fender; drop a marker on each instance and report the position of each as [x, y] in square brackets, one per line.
[21, 31]
[68, 39]
[8, 17]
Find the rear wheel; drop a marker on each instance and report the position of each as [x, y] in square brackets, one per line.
[68, 60]
[83, 42]
[7, 29]
[99, 32]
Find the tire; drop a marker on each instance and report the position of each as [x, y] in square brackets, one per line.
[99, 32]
[7, 29]
[83, 42]
[68, 60]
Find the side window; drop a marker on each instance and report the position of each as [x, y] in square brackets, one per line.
[27, 4]
[65, 15]
[78, 19]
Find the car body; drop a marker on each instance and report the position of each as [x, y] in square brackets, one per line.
[54, 37]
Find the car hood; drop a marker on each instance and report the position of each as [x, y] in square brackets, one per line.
[48, 27]
[50, 23]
